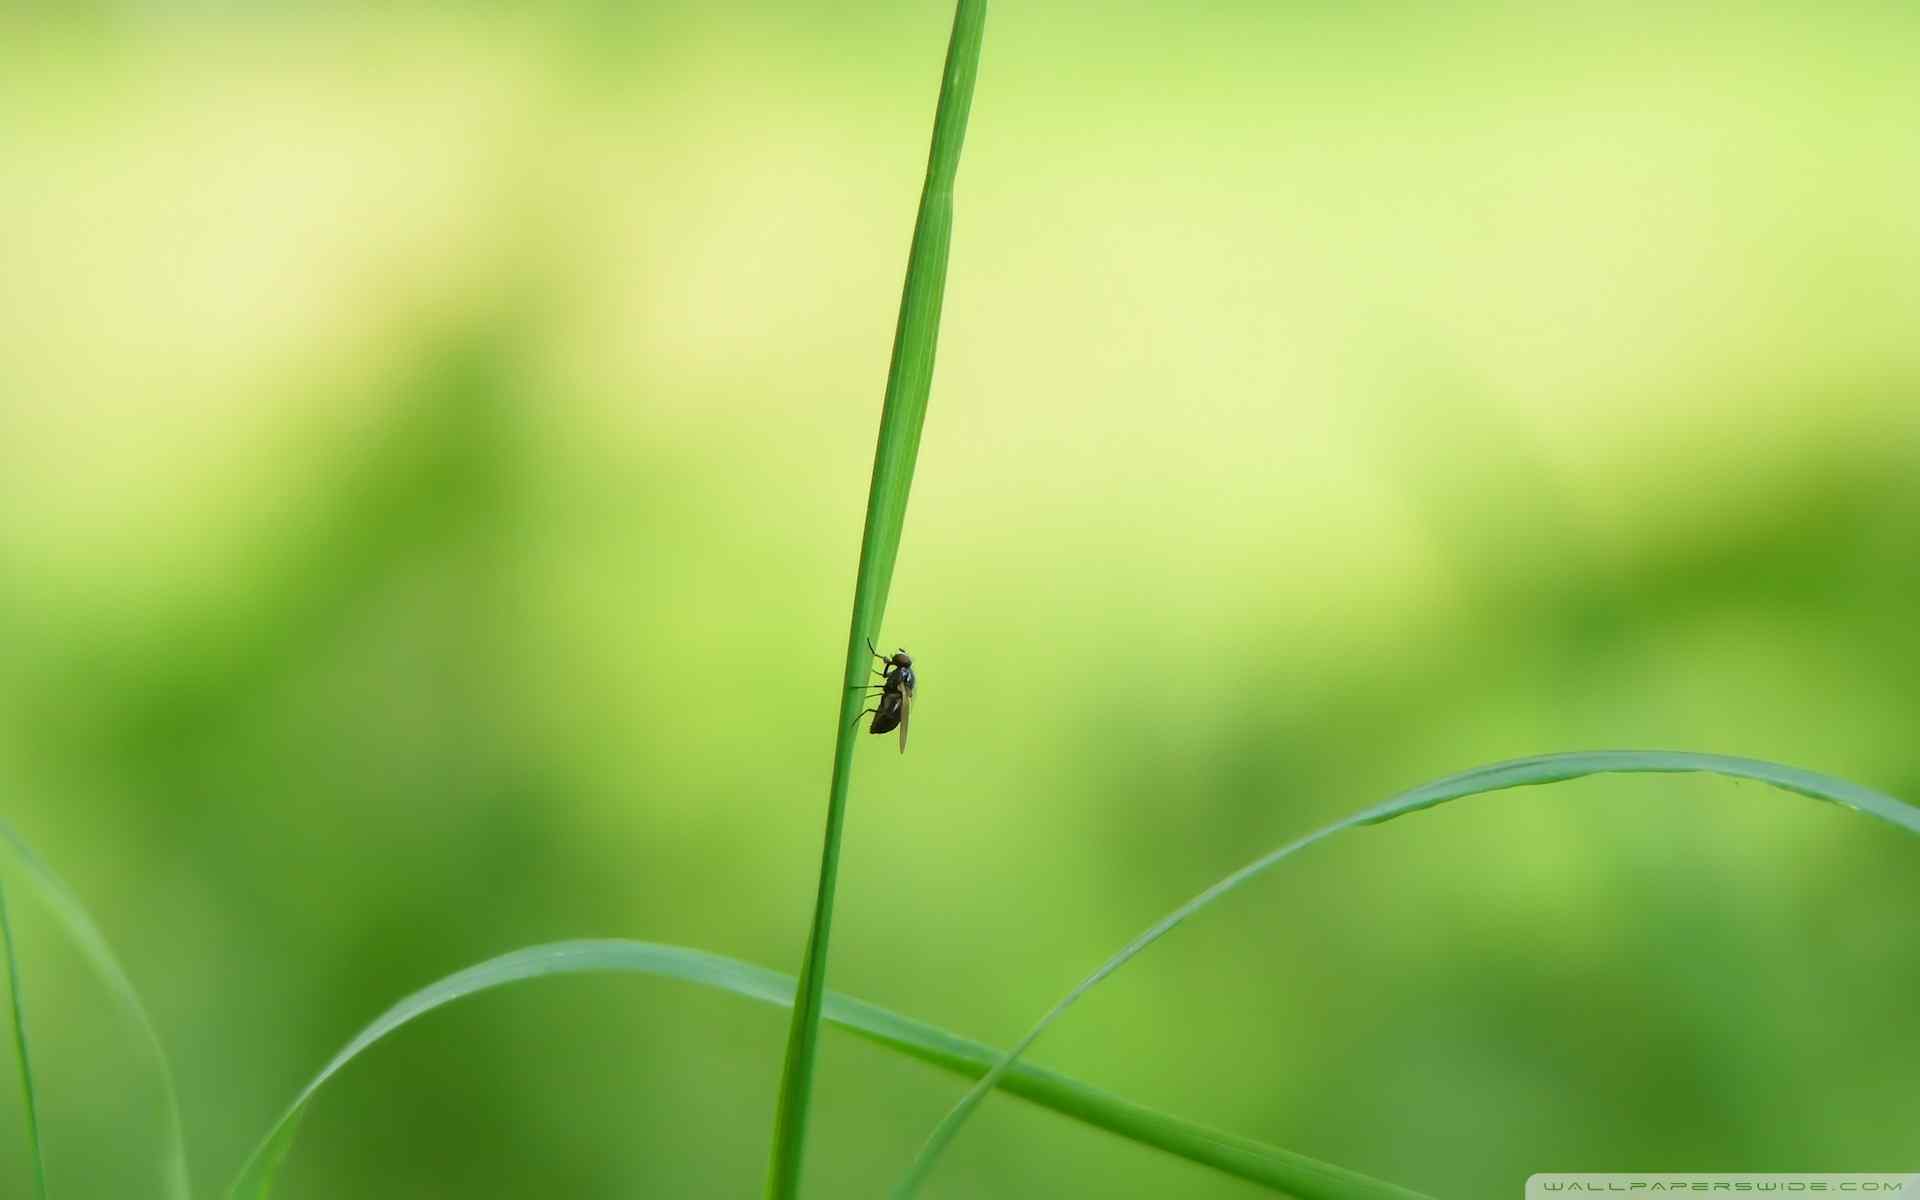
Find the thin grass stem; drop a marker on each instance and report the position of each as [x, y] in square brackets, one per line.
[909, 381]
[31, 1099]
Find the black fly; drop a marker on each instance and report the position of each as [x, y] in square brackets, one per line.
[894, 705]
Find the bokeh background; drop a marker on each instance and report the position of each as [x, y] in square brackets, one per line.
[433, 444]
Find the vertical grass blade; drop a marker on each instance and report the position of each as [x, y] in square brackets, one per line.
[1522, 772]
[72, 916]
[28, 1096]
[909, 379]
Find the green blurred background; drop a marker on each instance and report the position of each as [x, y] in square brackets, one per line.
[433, 444]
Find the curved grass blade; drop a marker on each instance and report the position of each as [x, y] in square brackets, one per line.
[909, 381]
[1238, 1156]
[14, 990]
[1521, 772]
[72, 915]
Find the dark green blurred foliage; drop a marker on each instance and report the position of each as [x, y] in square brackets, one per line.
[432, 450]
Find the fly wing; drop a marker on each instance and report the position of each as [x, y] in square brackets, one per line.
[906, 712]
